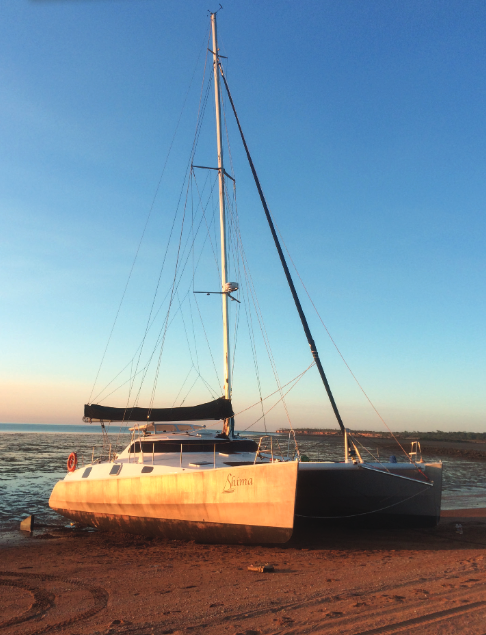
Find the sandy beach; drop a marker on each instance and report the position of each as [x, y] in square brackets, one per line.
[431, 581]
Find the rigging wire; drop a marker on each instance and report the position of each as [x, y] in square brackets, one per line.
[282, 397]
[207, 341]
[193, 331]
[196, 368]
[183, 384]
[155, 295]
[198, 126]
[297, 377]
[146, 367]
[148, 217]
[235, 236]
[251, 332]
[203, 207]
[129, 363]
[231, 207]
[260, 320]
[201, 110]
[138, 372]
[236, 246]
[166, 322]
[336, 346]
[188, 392]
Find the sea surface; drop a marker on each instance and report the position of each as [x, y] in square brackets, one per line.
[33, 458]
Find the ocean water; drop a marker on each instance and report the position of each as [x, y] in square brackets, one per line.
[33, 458]
[31, 463]
[57, 428]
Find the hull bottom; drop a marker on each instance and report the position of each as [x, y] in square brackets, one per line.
[206, 532]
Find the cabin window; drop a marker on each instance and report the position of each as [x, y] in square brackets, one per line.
[147, 469]
[194, 445]
[87, 472]
[115, 470]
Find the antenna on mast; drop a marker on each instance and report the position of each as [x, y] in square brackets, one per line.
[217, 10]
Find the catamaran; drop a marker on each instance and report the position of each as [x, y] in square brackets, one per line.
[180, 479]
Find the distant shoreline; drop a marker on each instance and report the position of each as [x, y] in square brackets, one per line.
[431, 443]
[438, 435]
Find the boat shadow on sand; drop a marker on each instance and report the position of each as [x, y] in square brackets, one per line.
[313, 537]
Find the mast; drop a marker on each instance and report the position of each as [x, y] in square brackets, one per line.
[229, 423]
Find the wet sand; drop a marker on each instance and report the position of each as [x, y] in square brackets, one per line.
[79, 582]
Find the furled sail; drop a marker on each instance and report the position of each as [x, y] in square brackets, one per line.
[218, 409]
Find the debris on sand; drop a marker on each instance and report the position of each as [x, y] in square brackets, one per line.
[262, 568]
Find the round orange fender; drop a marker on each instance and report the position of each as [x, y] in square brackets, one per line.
[72, 462]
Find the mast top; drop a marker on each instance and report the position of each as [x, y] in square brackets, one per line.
[217, 10]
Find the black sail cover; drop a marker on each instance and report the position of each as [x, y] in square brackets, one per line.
[218, 409]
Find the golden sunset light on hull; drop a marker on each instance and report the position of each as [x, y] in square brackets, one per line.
[247, 504]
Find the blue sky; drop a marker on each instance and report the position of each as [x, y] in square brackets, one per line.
[366, 125]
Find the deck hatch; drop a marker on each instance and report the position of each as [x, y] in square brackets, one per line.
[237, 463]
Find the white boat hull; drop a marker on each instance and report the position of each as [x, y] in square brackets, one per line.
[247, 504]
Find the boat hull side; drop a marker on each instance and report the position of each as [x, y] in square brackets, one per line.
[350, 495]
[239, 504]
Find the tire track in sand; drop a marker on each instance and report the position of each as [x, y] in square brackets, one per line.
[348, 622]
[473, 588]
[44, 599]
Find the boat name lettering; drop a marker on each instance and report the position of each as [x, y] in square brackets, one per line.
[233, 481]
